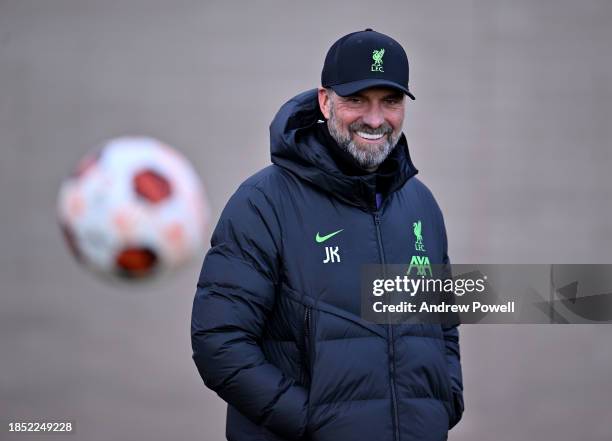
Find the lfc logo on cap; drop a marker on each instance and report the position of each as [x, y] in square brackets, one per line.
[377, 56]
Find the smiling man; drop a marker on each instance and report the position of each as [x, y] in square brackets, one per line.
[276, 326]
[366, 125]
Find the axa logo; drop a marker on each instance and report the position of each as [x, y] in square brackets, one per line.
[377, 56]
[332, 254]
[421, 264]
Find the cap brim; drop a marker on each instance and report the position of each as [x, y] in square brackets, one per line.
[353, 87]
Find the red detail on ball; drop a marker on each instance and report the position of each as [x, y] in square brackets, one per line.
[124, 223]
[175, 234]
[152, 186]
[76, 205]
[136, 262]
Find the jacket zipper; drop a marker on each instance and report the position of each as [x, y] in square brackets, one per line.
[391, 345]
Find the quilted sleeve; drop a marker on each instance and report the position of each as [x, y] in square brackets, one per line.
[235, 294]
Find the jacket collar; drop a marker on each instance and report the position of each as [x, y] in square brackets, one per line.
[294, 146]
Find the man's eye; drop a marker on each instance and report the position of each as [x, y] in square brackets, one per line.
[354, 100]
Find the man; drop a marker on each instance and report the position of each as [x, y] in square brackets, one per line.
[276, 327]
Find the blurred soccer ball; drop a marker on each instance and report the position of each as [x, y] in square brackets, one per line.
[133, 208]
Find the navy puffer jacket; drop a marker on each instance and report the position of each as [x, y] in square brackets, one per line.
[276, 327]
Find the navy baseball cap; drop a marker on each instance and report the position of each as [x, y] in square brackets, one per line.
[365, 59]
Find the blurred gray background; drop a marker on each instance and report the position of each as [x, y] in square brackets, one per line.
[511, 130]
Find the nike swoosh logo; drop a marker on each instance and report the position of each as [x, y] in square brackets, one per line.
[320, 239]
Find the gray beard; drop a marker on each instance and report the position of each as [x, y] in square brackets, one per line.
[369, 159]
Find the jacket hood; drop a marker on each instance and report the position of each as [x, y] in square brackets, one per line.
[294, 147]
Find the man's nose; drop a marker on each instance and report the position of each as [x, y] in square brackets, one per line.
[374, 117]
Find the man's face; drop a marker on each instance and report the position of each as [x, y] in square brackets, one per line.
[367, 125]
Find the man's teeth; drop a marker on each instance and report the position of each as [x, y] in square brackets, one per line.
[370, 135]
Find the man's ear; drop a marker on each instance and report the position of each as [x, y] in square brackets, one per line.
[324, 102]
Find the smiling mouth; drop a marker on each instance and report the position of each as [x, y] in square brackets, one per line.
[370, 136]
